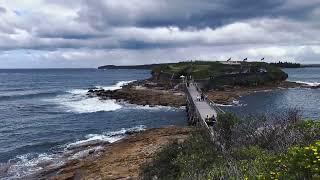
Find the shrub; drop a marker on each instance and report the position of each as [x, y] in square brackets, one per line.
[186, 160]
[280, 147]
[162, 166]
[297, 163]
[224, 126]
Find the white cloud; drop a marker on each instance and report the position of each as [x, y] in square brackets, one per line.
[268, 51]
[111, 31]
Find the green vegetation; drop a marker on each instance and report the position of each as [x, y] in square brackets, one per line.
[286, 64]
[217, 74]
[279, 147]
[214, 74]
[197, 69]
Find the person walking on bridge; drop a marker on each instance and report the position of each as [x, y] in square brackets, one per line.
[202, 97]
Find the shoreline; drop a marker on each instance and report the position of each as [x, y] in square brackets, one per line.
[122, 159]
[229, 95]
[145, 93]
[150, 93]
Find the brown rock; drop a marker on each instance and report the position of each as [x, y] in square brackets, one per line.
[122, 159]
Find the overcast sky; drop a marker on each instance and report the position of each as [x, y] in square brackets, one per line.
[89, 33]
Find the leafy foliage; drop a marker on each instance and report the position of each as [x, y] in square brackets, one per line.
[279, 147]
[217, 74]
[224, 126]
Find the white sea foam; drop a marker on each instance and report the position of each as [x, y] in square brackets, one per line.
[311, 84]
[29, 164]
[224, 105]
[90, 105]
[93, 139]
[76, 100]
[124, 131]
[234, 103]
[85, 153]
[78, 91]
[116, 86]
[26, 165]
[109, 137]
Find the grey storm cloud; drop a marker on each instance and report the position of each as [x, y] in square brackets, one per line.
[164, 29]
[189, 13]
[2, 10]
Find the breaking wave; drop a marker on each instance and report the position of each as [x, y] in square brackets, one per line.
[311, 84]
[28, 165]
[77, 101]
[117, 86]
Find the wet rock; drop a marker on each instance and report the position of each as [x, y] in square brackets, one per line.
[142, 96]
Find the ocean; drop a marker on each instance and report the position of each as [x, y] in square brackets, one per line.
[307, 100]
[45, 112]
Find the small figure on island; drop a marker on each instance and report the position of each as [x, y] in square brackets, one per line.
[188, 84]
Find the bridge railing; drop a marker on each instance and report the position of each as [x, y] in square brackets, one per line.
[198, 115]
[211, 103]
[212, 134]
[215, 107]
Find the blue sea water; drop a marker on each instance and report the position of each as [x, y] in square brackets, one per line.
[44, 111]
[305, 99]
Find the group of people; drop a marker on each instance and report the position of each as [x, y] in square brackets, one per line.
[210, 120]
[202, 97]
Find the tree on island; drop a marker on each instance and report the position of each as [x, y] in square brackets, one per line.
[286, 64]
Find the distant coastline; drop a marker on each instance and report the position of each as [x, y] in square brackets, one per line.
[150, 66]
[310, 65]
[146, 66]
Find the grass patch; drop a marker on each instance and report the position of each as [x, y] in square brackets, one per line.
[217, 74]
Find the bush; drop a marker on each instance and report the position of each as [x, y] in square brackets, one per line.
[297, 163]
[163, 165]
[280, 147]
[224, 126]
[187, 160]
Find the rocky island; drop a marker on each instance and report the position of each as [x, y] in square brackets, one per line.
[224, 82]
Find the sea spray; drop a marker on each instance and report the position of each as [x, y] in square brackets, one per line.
[77, 101]
[310, 84]
[30, 164]
[117, 86]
